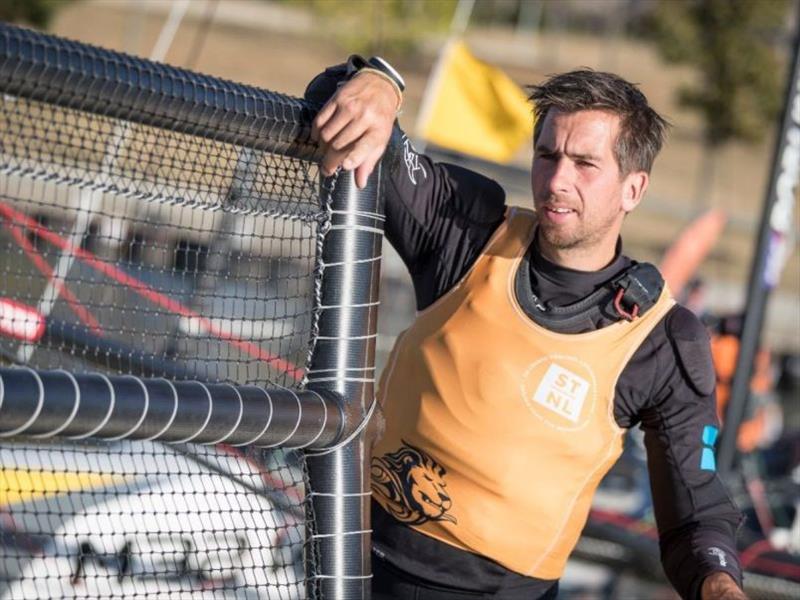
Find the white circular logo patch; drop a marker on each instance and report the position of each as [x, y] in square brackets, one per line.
[561, 390]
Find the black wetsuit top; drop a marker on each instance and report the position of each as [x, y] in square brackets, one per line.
[439, 217]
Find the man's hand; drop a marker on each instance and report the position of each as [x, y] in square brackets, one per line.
[355, 125]
[721, 586]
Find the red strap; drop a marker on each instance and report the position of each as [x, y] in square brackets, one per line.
[628, 316]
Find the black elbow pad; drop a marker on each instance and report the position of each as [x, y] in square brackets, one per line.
[691, 343]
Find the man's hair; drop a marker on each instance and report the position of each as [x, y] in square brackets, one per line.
[641, 131]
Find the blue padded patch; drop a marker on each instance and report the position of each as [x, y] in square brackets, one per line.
[707, 461]
[710, 435]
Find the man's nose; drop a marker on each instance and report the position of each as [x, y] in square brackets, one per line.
[562, 176]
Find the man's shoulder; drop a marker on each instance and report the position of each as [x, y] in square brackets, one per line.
[679, 325]
[474, 196]
[682, 337]
[682, 324]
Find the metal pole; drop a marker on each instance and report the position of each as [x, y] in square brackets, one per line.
[343, 361]
[461, 17]
[50, 404]
[770, 255]
[38, 66]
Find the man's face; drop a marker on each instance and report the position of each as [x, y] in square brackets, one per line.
[578, 191]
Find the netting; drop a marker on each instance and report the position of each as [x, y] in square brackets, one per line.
[152, 252]
[149, 520]
[134, 248]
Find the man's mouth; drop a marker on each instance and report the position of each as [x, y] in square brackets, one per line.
[557, 213]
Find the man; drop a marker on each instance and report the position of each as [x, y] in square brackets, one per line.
[536, 346]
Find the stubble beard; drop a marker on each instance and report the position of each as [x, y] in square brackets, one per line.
[579, 236]
[560, 240]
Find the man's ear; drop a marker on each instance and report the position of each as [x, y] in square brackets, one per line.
[633, 188]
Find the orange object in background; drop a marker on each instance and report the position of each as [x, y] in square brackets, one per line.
[764, 421]
[689, 250]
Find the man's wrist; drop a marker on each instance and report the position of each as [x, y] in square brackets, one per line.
[376, 65]
[382, 65]
[721, 586]
[398, 92]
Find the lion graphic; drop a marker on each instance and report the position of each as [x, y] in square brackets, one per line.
[410, 485]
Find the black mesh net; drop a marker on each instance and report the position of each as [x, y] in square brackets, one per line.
[149, 520]
[135, 249]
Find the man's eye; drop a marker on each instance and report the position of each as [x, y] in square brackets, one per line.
[585, 163]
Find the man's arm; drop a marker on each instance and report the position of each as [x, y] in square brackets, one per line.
[696, 519]
[438, 216]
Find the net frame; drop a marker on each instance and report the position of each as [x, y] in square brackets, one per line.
[331, 410]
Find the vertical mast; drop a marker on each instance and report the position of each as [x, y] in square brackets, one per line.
[771, 252]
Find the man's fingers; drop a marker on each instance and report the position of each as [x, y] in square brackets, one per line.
[332, 160]
[362, 174]
[358, 157]
[366, 168]
[338, 121]
[325, 113]
[349, 134]
[366, 146]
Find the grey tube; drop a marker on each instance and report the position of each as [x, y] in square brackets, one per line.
[69, 74]
[343, 362]
[48, 404]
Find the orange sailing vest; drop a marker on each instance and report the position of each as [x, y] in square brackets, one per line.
[498, 431]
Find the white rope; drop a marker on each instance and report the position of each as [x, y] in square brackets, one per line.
[356, 432]
[306, 218]
[345, 337]
[337, 495]
[326, 306]
[341, 533]
[268, 423]
[296, 425]
[74, 412]
[144, 412]
[351, 262]
[174, 411]
[342, 576]
[352, 379]
[336, 370]
[324, 422]
[357, 213]
[36, 413]
[208, 416]
[238, 420]
[111, 404]
[358, 228]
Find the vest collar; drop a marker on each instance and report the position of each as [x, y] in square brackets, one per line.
[623, 290]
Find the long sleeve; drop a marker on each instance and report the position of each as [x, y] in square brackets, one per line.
[697, 521]
[438, 217]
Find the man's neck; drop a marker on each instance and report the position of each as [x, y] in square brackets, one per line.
[580, 258]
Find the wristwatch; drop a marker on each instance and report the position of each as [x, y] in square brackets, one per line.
[378, 65]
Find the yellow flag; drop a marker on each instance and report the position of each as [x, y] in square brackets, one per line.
[475, 108]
